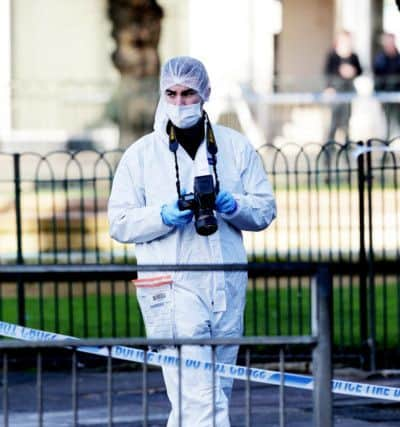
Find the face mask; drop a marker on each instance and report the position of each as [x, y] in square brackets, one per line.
[184, 116]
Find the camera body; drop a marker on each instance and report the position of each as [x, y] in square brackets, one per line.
[201, 202]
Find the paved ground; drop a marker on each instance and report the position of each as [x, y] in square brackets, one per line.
[127, 402]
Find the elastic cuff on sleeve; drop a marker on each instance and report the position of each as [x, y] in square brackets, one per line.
[164, 220]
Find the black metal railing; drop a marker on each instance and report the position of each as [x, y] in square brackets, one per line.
[102, 383]
[318, 342]
[337, 203]
[53, 207]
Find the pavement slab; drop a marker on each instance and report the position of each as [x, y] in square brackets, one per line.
[128, 411]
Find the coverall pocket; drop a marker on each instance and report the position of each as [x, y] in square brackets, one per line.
[155, 300]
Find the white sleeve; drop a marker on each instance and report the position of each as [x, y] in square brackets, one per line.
[256, 207]
[130, 220]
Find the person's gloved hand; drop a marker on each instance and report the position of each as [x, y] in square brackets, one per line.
[225, 203]
[172, 216]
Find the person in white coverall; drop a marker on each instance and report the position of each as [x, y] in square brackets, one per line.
[143, 209]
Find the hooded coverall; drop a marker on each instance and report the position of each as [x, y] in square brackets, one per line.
[203, 304]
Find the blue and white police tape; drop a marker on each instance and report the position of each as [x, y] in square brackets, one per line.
[222, 369]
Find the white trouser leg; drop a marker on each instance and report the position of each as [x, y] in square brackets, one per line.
[227, 354]
[197, 392]
[194, 318]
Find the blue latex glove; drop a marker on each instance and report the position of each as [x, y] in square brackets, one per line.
[172, 216]
[225, 203]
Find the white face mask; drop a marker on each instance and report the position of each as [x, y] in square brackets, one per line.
[184, 116]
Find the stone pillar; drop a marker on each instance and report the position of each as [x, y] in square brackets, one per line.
[306, 36]
[136, 31]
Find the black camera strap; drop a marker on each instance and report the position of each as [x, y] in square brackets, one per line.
[211, 148]
[173, 147]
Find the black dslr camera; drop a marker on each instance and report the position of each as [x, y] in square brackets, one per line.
[201, 202]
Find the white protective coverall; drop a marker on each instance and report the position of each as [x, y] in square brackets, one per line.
[203, 304]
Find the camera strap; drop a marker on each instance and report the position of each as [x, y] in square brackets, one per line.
[173, 147]
[212, 150]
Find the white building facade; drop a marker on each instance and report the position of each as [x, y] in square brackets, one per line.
[57, 75]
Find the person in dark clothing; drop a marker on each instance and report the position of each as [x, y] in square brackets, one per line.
[342, 66]
[387, 79]
[387, 65]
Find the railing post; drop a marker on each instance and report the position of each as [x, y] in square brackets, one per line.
[322, 354]
[363, 310]
[5, 389]
[371, 274]
[18, 218]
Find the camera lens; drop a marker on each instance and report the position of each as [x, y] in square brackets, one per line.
[206, 223]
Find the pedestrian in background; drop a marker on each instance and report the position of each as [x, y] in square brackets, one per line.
[387, 79]
[387, 65]
[342, 66]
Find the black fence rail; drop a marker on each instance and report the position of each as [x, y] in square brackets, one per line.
[337, 203]
[73, 408]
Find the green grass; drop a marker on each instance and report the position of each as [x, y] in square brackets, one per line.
[270, 310]
[103, 320]
[286, 311]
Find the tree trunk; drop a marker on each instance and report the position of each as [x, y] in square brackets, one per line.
[136, 31]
